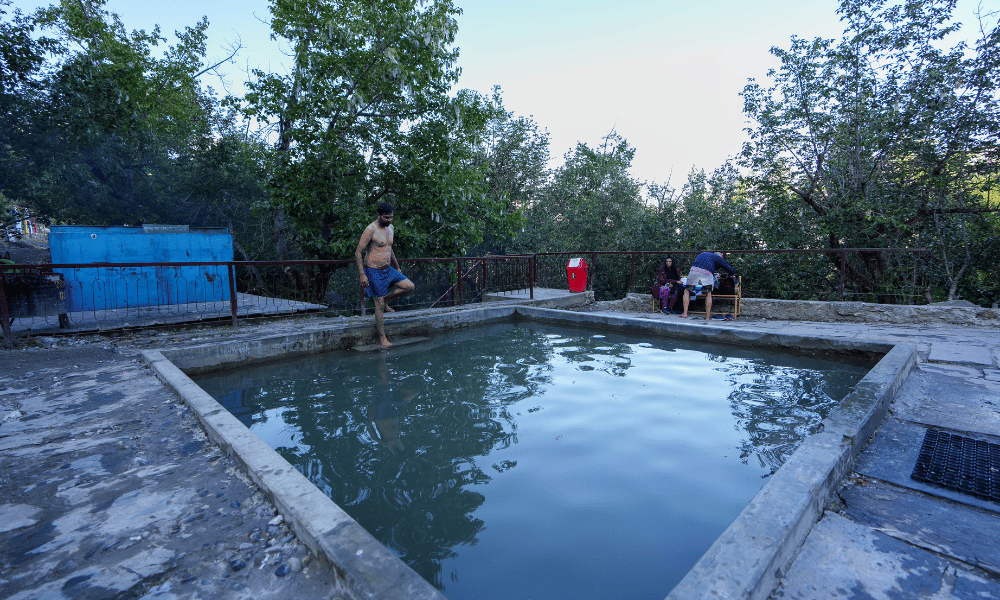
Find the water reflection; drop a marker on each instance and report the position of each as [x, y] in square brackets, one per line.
[411, 441]
[383, 412]
[775, 408]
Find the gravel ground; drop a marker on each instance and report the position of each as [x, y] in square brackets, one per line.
[26, 253]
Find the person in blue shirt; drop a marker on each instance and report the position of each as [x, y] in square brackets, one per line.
[702, 278]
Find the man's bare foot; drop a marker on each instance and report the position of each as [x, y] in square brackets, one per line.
[388, 309]
[683, 316]
[385, 343]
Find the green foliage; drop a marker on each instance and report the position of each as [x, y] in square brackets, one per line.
[516, 156]
[879, 135]
[22, 54]
[223, 179]
[21, 51]
[591, 202]
[100, 139]
[104, 131]
[364, 117]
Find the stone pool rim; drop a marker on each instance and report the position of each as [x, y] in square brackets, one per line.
[746, 561]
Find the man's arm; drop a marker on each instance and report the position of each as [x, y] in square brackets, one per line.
[722, 263]
[366, 238]
[392, 260]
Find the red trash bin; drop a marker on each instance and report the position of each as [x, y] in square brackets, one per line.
[576, 273]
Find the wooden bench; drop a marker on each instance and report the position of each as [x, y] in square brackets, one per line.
[736, 297]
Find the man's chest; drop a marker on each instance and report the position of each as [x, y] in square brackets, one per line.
[382, 237]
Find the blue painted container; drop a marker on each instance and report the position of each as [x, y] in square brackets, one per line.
[106, 288]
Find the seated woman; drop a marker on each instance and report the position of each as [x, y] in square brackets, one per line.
[667, 286]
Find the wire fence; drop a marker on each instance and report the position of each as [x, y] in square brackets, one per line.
[105, 296]
[877, 275]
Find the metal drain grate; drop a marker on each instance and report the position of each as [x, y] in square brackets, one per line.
[959, 463]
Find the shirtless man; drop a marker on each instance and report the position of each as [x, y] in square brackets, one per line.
[379, 270]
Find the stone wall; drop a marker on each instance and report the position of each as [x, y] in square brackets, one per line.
[863, 312]
[839, 312]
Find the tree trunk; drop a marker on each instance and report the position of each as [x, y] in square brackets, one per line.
[293, 276]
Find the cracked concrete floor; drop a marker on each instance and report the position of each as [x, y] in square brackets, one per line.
[111, 490]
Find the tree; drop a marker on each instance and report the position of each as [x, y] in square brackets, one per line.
[592, 202]
[365, 117]
[516, 155]
[880, 134]
[223, 179]
[715, 212]
[22, 54]
[116, 118]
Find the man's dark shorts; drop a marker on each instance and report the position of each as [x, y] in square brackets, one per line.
[380, 280]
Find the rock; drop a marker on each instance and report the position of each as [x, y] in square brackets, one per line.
[237, 565]
[295, 565]
[965, 303]
[282, 570]
[276, 520]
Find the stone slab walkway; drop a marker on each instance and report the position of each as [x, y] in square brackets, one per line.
[109, 488]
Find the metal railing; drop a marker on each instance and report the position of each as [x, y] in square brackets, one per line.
[103, 296]
[809, 274]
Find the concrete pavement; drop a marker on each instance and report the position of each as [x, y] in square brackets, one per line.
[110, 489]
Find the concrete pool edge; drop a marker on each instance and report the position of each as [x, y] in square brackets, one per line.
[366, 567]
[745, 561]
[751, 555]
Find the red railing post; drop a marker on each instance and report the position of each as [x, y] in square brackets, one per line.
[8, 337]
[631, 279]
[484, 279]
[232, 293]
[532, 273]
[843, 272]
[593, 267]
[460, 296]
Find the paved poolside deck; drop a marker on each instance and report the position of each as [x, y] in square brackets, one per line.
[109, 486]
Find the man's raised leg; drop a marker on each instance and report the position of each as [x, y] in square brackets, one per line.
[399, 289]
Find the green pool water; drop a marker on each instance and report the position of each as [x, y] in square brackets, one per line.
[530, 461]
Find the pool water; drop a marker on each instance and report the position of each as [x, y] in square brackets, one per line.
[526, 460]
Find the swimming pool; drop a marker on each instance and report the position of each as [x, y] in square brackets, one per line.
[531, 460]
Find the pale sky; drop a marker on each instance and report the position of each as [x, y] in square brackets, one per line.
[664, 74]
